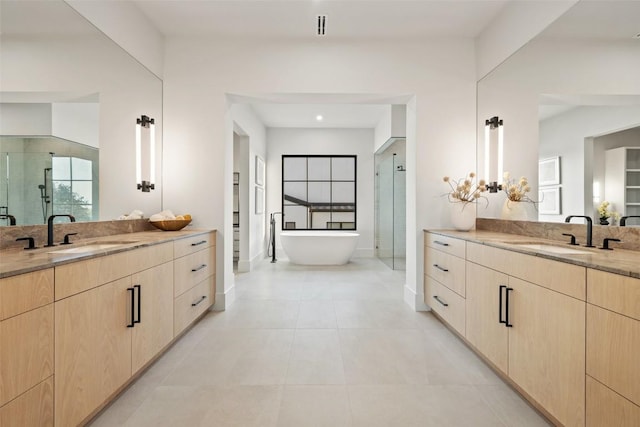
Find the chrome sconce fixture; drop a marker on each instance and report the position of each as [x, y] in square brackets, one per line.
[147, 123]
[489, 125]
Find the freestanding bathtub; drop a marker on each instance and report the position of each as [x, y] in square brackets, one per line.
[319, 247]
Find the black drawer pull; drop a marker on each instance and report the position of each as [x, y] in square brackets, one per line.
[438, 242]
[500, 304]
[199, 268]
[204, 297]
[440, 268]
[131, 325]
[506, 306]
[441, 302]
[139, 302]
[199, 243]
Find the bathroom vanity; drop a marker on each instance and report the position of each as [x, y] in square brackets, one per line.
[78, 323]
[560, 323]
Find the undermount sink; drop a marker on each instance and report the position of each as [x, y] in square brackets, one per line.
[548, 247]
[92, 247]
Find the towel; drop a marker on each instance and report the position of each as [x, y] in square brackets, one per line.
[162, 216]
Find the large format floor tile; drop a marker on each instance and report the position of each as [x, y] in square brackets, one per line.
[319, 346]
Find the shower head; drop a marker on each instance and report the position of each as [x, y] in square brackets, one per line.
[41, 186]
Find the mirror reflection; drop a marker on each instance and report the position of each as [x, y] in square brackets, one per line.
[572, 93]
[319, 192]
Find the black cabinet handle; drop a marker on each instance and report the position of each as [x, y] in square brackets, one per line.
[506, 306]
[199, 243]
[198, 268]
[440, 301]
[139, 302]
[500, 304]
[130, 325]
[204, 297]
[440, 268]
[438, 242]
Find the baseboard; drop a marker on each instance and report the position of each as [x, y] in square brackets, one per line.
[244, 266]
[225, 299]
[255, 260]
[410, 297]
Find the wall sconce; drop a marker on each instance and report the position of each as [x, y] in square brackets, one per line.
[146, 122]
[490, 124]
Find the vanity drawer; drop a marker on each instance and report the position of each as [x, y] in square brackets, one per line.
[447, 269]
[607, 408]
[31, 409]
[26, 351]
[446, 244]
[193, 244]
[614, 292]
[449, 305]
[192, 269]
[191, 304]
[25, 292]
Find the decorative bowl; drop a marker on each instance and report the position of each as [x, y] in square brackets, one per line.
[171, 224]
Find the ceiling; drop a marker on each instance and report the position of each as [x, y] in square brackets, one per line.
[346, 19]
[333, 115]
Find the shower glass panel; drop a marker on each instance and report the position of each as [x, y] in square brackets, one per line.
[390, 206]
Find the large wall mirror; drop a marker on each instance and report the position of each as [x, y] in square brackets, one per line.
[69, 99]
[571, 97]
[318, 192]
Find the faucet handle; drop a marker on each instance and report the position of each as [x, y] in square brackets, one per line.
[31, 242]
[66, 238]
[573, 238]
[605, 243]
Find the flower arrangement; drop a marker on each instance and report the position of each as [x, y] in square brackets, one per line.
[604, 213]
[464, 190]
[516, 190]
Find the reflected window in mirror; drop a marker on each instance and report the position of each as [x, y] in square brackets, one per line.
[72, 182]
[319, 192]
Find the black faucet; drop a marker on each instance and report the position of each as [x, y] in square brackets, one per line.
[605, 243]
[11, 218]
[589, 228]
[50, 228]
[623, 220]
[32, 244]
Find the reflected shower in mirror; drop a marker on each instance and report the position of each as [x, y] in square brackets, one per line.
[45, 175]
[319, 192]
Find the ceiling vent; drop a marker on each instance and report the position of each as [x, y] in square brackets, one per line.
[322, 22]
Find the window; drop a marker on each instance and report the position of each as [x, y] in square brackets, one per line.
[72, 179]
[319, 192]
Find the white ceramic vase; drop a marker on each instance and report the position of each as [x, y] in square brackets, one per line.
[463, 215]
[515, 211]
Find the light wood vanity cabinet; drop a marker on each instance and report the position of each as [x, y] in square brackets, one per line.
[26, 349]
[613, 349]
[444, 279]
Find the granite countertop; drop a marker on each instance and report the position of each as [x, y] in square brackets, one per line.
[618, 261]
[19, 261]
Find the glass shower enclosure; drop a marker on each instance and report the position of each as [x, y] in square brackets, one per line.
[390, 204]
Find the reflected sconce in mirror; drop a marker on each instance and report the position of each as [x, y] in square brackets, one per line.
[489, 125]
[147, 123]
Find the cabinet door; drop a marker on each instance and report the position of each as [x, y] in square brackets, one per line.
[154, 290]
[93, 349]
[547, 349]
[483, 328]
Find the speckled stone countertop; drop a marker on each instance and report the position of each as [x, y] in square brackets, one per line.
[618, 261]
[19, 261]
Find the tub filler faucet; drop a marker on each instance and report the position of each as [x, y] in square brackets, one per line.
[272, 235]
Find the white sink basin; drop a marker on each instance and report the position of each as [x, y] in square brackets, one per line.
[85, 248]
[564, 250]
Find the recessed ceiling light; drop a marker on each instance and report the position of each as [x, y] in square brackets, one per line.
[319, 118]
[637, 36]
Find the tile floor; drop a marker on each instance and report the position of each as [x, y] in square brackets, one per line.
[319, 346]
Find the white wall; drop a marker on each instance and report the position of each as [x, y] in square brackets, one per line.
[357, 142]
[568, 135]
[548, 67]
[393, 124]
[199, 73]
[76, 121]
[25, 119]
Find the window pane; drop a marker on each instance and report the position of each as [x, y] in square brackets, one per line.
[81, 168]
[61, 209]
[295, 217]
[82, 192]
[343, 169]
[82, 212]
[61, 168]
[344, 192]
[294, 168]
[319, 192]
[319, 168]
[295, 190]
[320, 220]
[61, 193]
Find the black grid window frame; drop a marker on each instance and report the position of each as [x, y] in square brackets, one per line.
[330, 181]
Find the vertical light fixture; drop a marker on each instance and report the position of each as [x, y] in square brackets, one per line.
[490, 124]
[144, 185]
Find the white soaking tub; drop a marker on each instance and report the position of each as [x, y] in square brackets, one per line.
[319, 247]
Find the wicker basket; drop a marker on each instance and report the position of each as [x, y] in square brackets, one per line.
[171, 224]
